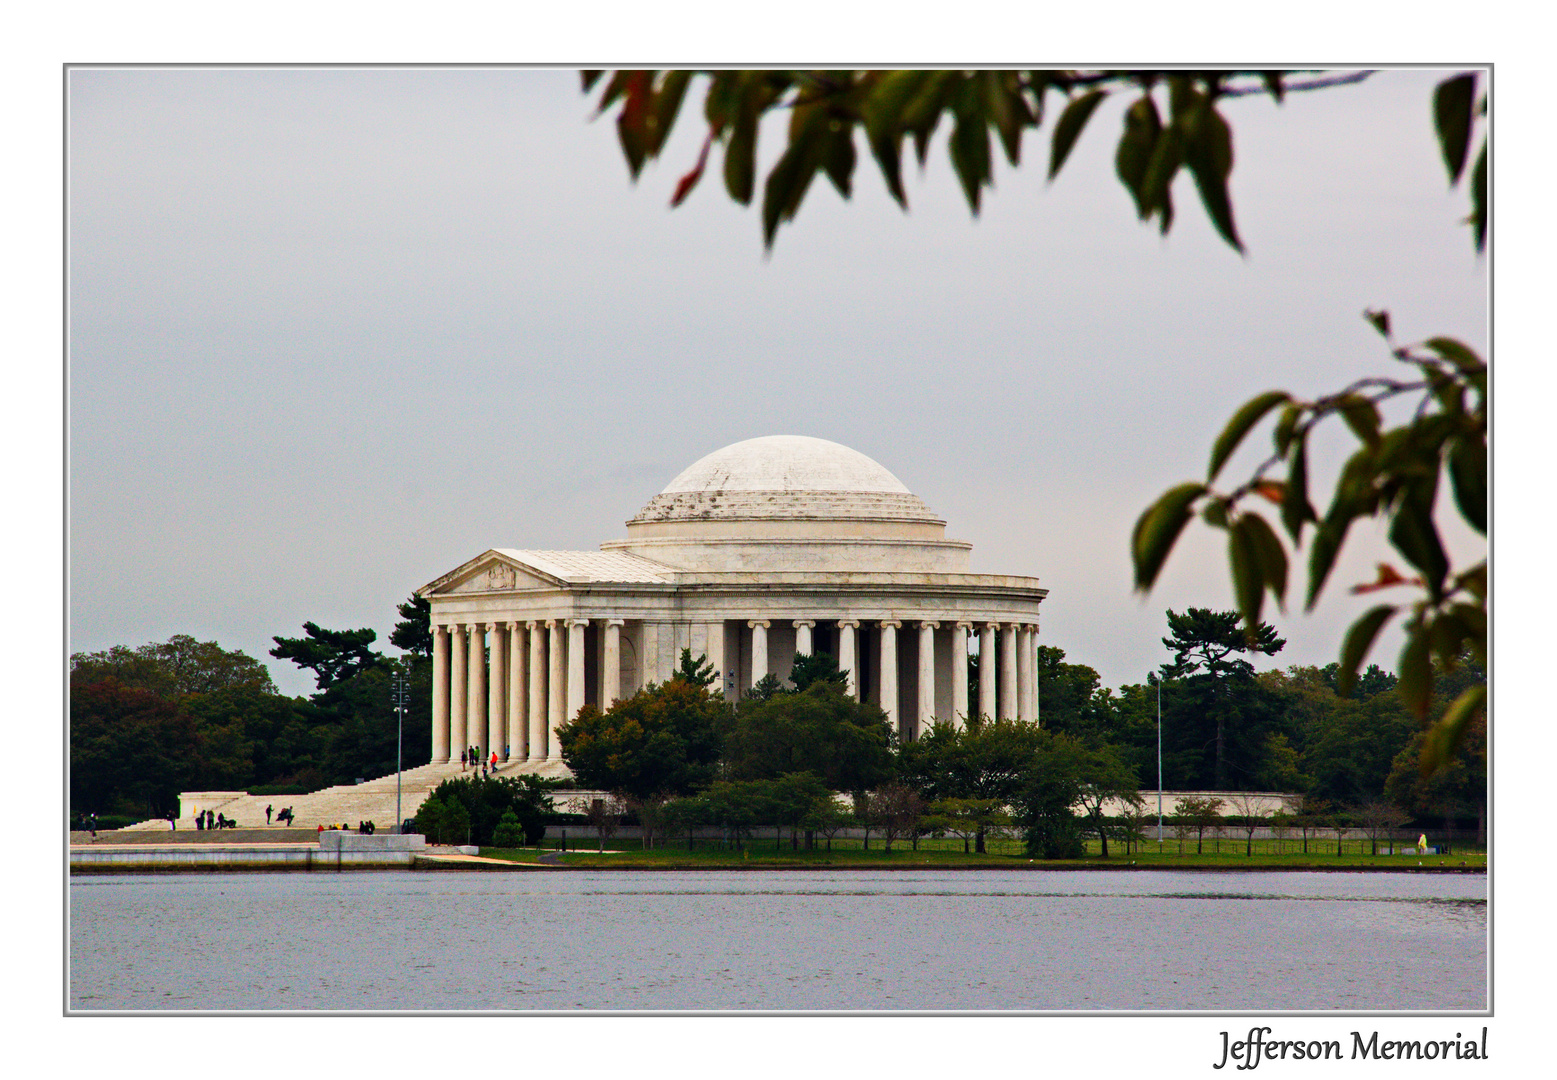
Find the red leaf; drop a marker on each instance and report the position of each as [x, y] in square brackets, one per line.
[689, 181]
[1388, 576]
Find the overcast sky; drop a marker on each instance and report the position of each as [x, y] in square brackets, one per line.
[334, 332]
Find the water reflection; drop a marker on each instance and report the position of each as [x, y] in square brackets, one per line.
[1148, 940]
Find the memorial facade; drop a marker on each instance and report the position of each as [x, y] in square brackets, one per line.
[758, 552]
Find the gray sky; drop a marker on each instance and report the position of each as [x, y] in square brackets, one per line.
[334, 332]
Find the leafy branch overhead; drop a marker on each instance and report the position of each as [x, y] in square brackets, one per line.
[1172, 124]
[1394, 473]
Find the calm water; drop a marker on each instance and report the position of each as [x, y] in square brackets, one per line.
[807, 940]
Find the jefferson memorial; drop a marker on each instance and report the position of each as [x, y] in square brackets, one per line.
[758, 552]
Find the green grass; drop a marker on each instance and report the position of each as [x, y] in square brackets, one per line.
[1001, 853]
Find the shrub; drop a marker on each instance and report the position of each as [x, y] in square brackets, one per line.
[508, 834]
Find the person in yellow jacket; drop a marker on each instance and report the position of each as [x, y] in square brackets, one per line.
[1421, 844]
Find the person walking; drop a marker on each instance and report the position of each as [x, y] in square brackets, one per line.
[462, 761]
[267, 813]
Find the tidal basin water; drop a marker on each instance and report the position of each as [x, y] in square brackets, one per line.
[988, 940]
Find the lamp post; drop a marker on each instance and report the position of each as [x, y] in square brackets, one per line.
[400, 697]
[1158, 681]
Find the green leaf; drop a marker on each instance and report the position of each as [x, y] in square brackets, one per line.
[1457, 353]
[1238, 427]
[740, 156]
[1208, 151]
[1296, 510]
[1416, 670]
[1007, 111]
[838, 156]
[1270, 555]
[969, 148]
[1414, 535]
[882, 111]
[786, 186]
[1453, 106]
[1142, 127]
[1380, 321]
[1248, 581]
[1167, 156]
[1362, 416]
[664, 108]
[1478, 217]
[1468, 479]
[1286, 427]
[1444, 737]
[1354, 649]
[1326, 545]
[1068, 128]
[1447, 634]
[1158, 528]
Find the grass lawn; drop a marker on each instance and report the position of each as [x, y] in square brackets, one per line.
[1002, 854]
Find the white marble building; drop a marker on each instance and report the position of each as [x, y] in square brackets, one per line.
[765, 549]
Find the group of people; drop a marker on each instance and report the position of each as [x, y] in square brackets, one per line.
[285, 816]
[210, 819]
[366, 828]
[87, 823]
[470, 757]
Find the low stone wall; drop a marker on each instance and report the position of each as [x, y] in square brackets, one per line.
[333, 851]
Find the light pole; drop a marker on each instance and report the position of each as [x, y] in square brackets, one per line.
[400, 696]
[1158, 681]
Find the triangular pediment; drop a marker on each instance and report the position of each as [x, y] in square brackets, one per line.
[491, 571]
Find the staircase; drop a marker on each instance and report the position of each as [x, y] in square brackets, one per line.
[347, 804]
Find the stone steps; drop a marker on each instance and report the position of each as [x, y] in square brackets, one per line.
[373, 800]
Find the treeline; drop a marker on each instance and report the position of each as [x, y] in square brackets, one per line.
[149, 722]
[185, 715]
[682, 759]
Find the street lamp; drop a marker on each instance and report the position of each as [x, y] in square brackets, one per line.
[1158, 680]
[400, 697]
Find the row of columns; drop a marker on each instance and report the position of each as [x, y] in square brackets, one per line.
[1016, 666]
[536, 684]
[537, 677]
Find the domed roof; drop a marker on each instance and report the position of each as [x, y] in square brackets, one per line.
[785, 476]
[785, 463]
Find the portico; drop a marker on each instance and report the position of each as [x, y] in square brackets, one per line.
[761, 551]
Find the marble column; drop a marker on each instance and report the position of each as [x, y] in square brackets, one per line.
[536, 750]
[926, 713]
[497, 688]
[611, 660]
[759, 649]
[459, 686]
[1008, 672]
[516, 703]
[476, 695]
[848, 660]
[1024, 674]
[556, 691]
[576, 695]
[803, 644]
[989, 668]
[960, 673]
[440, 691]
[888, 678]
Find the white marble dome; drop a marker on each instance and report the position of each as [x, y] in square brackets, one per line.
[791, 503]
[785, 477]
